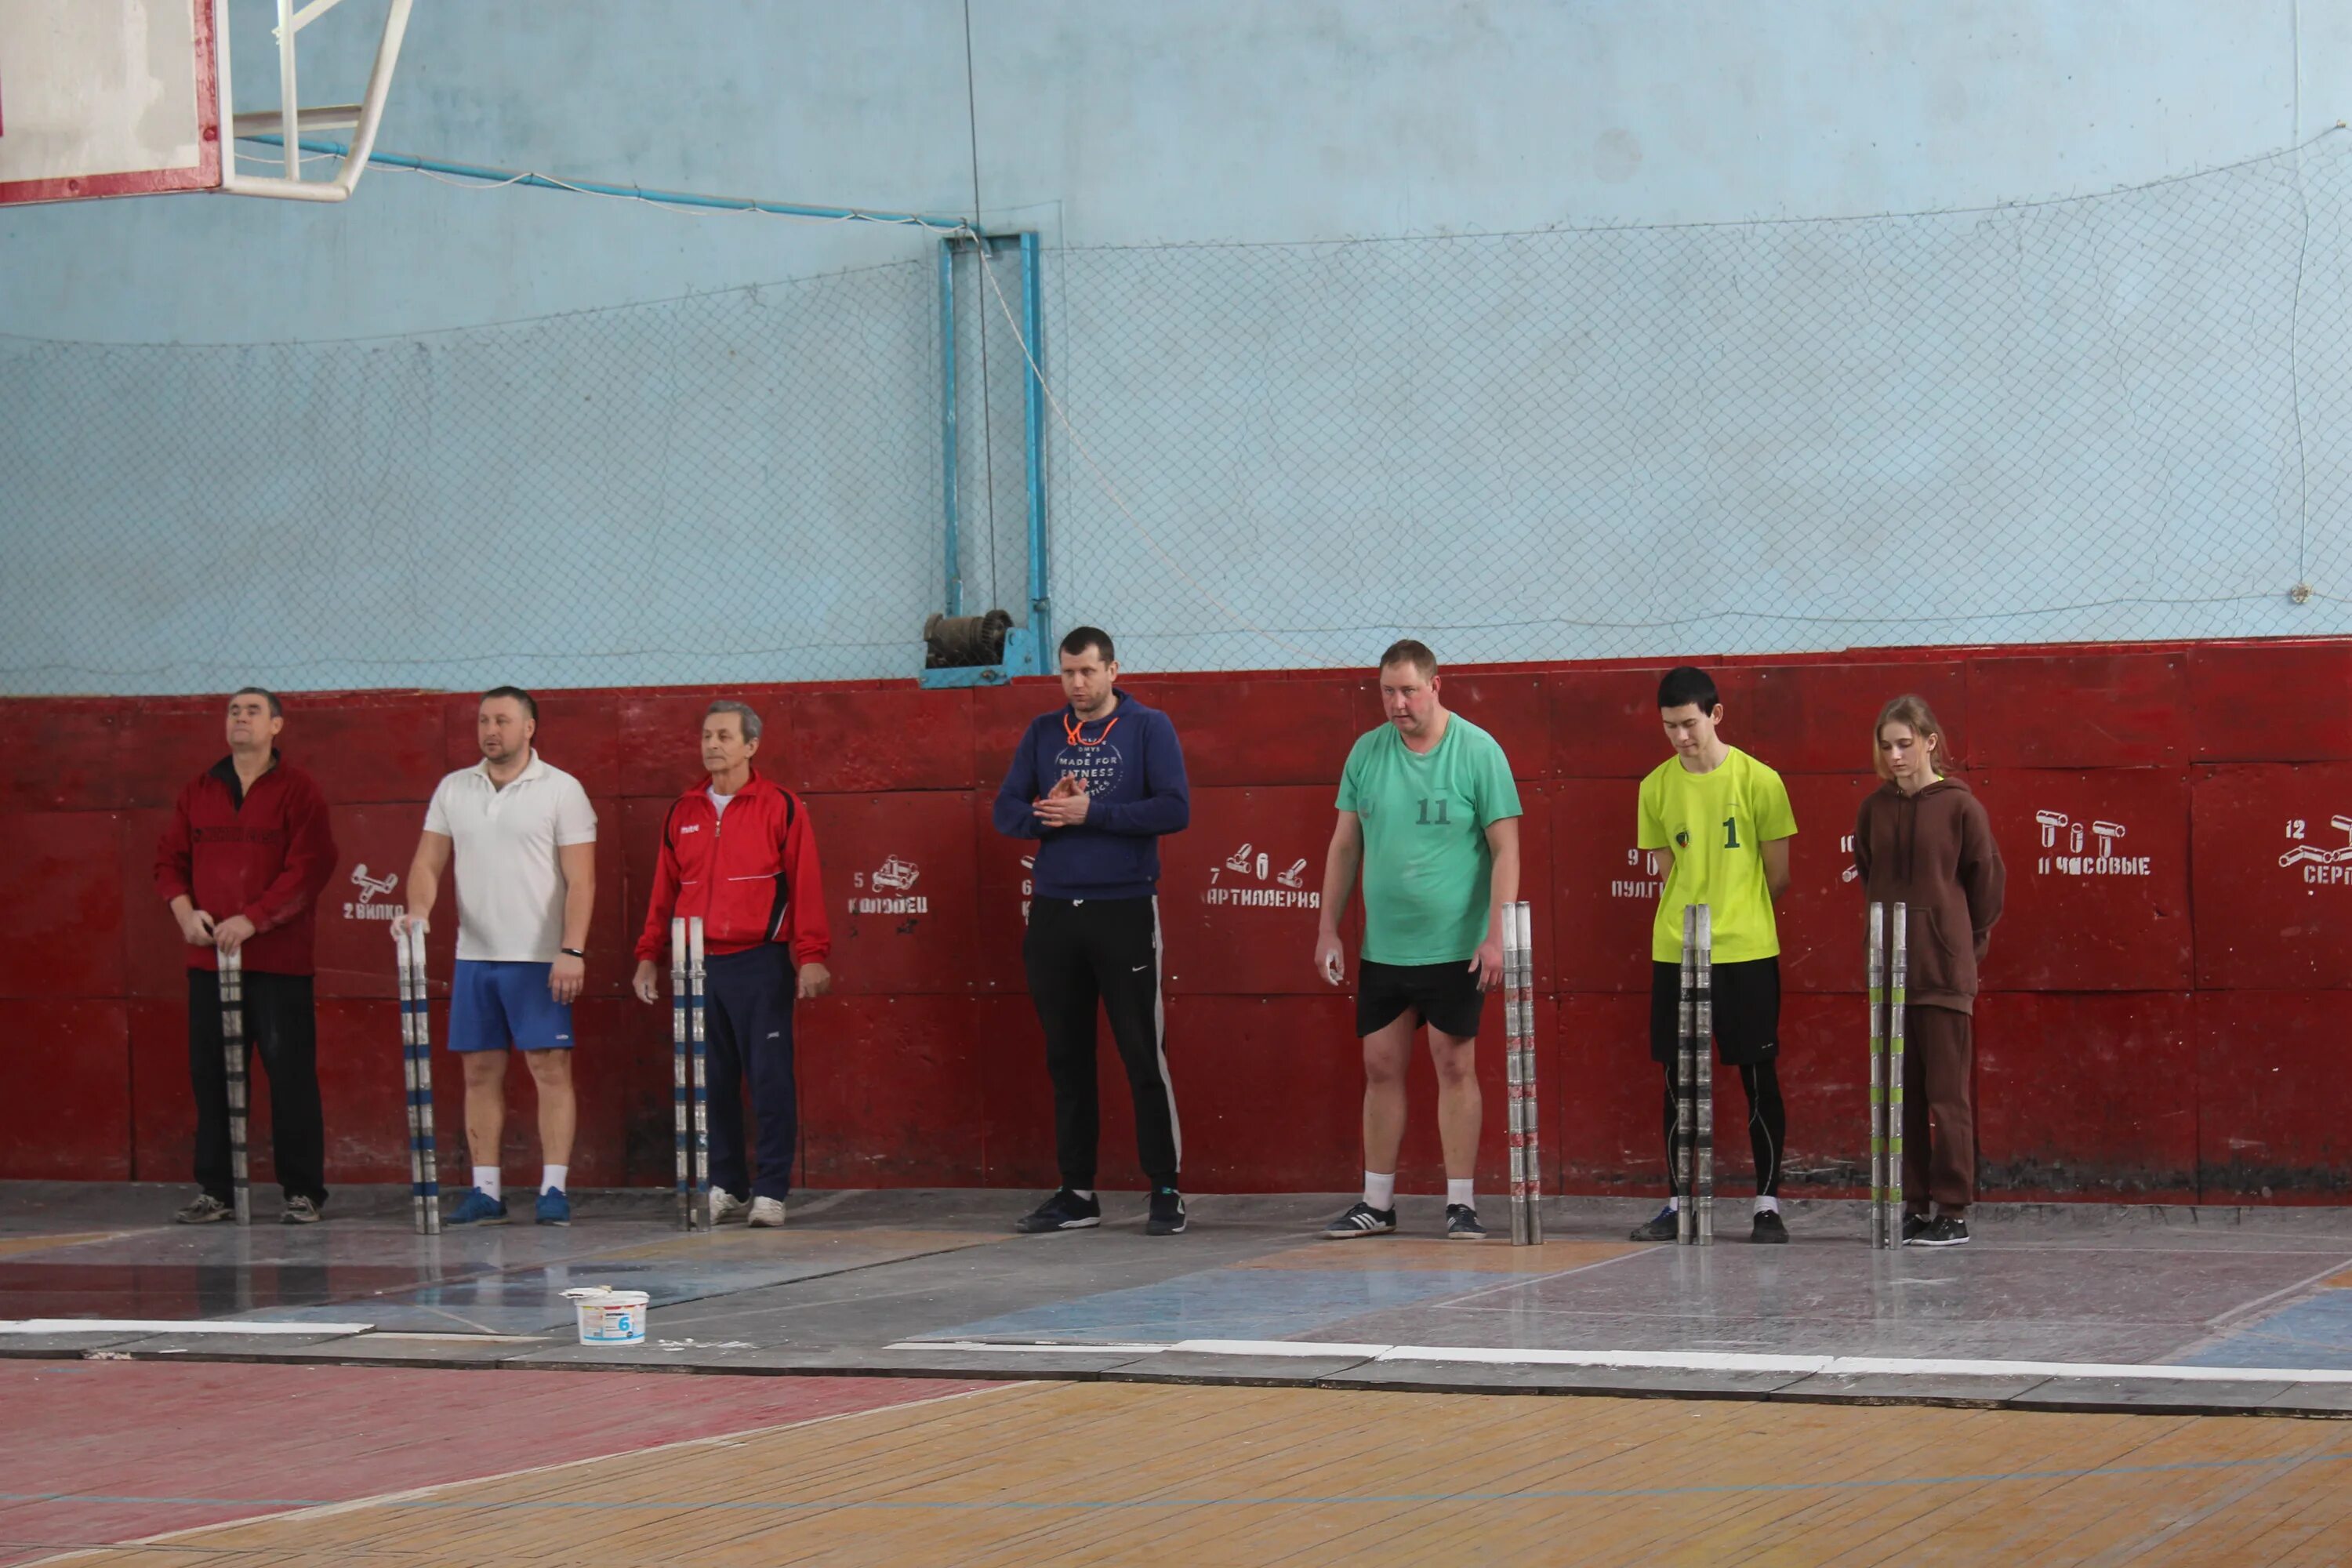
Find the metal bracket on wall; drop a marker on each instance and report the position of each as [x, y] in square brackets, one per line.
[1027, 649]
[1020, 658]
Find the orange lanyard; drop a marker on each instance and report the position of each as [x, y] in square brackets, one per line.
[1078, 739]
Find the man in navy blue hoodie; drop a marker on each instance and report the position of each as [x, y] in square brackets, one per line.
[1099, 781]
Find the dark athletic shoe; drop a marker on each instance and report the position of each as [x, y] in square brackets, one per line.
[1361, 1219]
[1914, 1225]
[1942, 1231]
[300, 1211]
[478, 1208]
[1063, 1210]
[203, 1209]
[1769, 1226]
[1462, 1224]
[553, 1208]
[1661, 1226]
[1167, 1213]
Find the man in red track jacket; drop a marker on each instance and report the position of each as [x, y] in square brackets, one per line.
[737, 850]
[242, 866]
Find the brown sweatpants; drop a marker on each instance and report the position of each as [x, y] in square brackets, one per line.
[1939, 1121]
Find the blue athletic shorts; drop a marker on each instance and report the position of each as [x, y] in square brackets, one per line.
[494, 1006]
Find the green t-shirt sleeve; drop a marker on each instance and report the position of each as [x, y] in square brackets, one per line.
[1498, 792]
[1650, 816]
[1769, 807]
[1351, 780]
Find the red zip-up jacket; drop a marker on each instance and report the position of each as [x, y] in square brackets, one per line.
[752, 874]
[264, 853]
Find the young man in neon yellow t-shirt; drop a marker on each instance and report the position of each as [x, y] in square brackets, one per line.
[1721, 819]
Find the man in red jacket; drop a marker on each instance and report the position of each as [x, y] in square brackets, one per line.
[737, 850]
[241, 865]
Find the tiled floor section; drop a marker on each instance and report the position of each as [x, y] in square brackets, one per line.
[99, 1452]
[1048, 1474]
[854, 1274]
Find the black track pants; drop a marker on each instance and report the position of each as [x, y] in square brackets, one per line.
[1079, 953]
[281, 1028]
[748, 1030]
[1767, 1123]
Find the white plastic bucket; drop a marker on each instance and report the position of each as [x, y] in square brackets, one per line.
[610, 1316]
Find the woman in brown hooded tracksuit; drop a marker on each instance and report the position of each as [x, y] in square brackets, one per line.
[1922, 839]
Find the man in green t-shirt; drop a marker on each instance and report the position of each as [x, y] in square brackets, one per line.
[1721, 820]
[1429, 814]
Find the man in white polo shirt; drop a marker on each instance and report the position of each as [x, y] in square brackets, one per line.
[525, 839]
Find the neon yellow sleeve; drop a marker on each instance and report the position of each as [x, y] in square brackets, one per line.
[1769, 806]
[1650, 816]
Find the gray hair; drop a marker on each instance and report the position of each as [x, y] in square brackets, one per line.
[750, 721]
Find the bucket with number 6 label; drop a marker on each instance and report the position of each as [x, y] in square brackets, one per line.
[610, 1316]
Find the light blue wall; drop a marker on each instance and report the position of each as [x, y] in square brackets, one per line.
[1271, 437]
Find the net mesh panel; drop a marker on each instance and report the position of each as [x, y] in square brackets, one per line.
[741, 485]
[2123, 416]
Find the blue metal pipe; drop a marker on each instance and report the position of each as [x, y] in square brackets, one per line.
[1033, 432]
[638, 193]
[948, 425]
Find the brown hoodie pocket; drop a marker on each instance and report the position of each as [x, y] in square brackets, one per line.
[1948, 966]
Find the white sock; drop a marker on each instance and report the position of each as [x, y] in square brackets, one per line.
[1674, 1205]
[1086, 1193]
[551, 1177]
[1459, 1192]
[487, 1178]
[1379, 1191]
[1766, 1206]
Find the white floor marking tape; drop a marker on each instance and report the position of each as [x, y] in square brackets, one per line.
[1002, 1348]
[167, 1326]
[1676, 1361]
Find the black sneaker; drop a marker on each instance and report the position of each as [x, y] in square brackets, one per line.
[1913, 1224]
[1462, 1224]
[1167, 1213]
[1063, 1210]
[1768, 1227]
[1661, 1226]
[1361, 1219]
[1942, 1231]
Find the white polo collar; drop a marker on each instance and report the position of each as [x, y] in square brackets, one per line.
[534, 769]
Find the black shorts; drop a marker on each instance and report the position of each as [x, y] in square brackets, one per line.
[1747, 1007]
[1445, 997]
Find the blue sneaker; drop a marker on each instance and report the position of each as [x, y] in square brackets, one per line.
[478, 1208]
[554, 1209]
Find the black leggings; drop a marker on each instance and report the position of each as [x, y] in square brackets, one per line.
[1768, 1124]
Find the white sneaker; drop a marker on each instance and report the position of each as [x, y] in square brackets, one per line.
[767, 1212]
[725, 1208]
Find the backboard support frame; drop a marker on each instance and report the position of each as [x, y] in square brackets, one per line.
[290, 121]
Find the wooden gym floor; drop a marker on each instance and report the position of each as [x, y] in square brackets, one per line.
[283, 1465]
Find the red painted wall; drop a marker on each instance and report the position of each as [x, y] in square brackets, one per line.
[2165, 1024]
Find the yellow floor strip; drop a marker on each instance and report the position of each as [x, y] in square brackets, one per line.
[16, 1246]
[1103, 1473]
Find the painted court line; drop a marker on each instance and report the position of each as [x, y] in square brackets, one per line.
[1676, 1361]
[171, 1326]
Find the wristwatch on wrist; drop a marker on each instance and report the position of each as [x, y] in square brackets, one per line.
[572, 953]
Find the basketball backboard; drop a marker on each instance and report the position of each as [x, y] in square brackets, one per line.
[115, 98]
[107, 100]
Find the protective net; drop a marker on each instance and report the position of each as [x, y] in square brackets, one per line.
[2118, 417]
